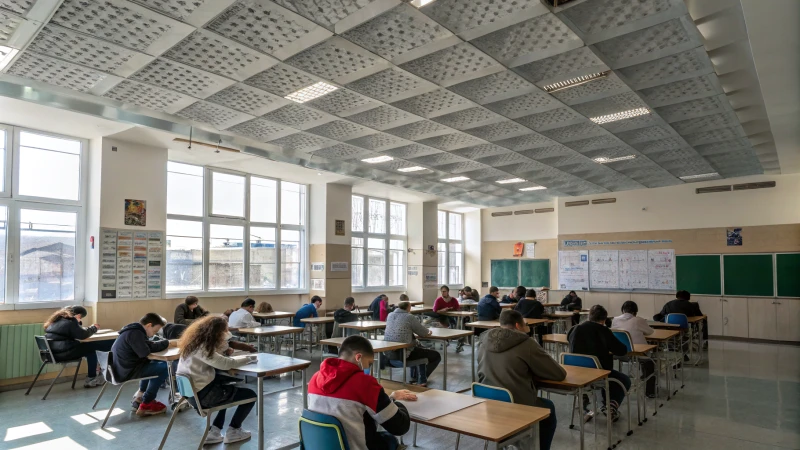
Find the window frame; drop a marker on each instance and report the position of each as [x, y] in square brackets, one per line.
[387, 238]
[447, 241]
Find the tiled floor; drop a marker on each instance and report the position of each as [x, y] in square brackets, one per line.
[746, 397]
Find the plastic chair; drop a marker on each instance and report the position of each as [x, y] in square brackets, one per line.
[104, 359]
[678, 319]
[321, 432]
[47, 357]
[492, 393]
[187, 391]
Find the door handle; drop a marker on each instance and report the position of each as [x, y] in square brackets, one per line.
[725, 321]
[776, 303]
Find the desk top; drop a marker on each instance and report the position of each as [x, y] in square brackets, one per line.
[576, 377]
[507, 305]
[417, 302]
[420, 309]
[170, 354]
[378, 346]
[108, 336]
[364, 325]
[641, 349]
[551, 305]
[490, 420]
[562, 314]
[662, 335]
[269, 364]
[274, 315]
[695, 319]
[358, 313]
[272, 330]
[447, 333]
[555, 338]
[668, 326]
[458, 313]
[496, 323]
[316, 320]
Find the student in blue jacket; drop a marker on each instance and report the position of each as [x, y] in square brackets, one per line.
[489, 308]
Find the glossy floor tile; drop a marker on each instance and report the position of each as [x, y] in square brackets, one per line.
[746, 396]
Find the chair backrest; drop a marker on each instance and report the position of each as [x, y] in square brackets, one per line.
[321, 432]
[678, 319]
[624, 337]
[480, 390]
[45, 354]
[574, 359]
[186, 388]
[105, 360]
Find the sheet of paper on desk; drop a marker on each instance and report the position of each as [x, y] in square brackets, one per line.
[250, 358]
[435, 403]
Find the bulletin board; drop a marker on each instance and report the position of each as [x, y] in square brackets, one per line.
[131, 264]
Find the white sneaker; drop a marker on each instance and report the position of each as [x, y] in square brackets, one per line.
[93, 382]
[214, 436]
[236, 435]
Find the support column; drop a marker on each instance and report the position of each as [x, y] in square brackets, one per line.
[423, 266]
[328, 247]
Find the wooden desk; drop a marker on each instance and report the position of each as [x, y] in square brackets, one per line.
[378, 347]
[268, 365]
[275, 315]
[662, 325]
[662, 335]
[364, 326]
[661, 338]
[315, 322]
[495, 323]
[459, 315]
[447, 335]
[108, 336]
[507, 305]
[416, 303]
[272, 331]
[421, 309]
[641, 349]
[490, 420]
[170, 354]
[358, 313]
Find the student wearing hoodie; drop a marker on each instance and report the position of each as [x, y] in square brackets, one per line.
[64, 330]
[638, 328]
[489, 308]
[571, 302]
[510, 359]
[344, 389]
[345, 314]
[129, 360]
[515, 295]
[682, 305]
[530, 308]
[376, 305]
[189, 311]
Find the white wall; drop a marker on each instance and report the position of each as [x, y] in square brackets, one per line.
[93, 219]
[472, 249]
[521, 228]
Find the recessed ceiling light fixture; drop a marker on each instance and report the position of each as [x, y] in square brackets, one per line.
[533, 188]
[6, 55]
[620, 115]
[309, 93]
[702, 175]
[455, 179]
[411, 169]
[510, 181]
[421, 3]
[604, 160]
[377, 159]
[577, 81]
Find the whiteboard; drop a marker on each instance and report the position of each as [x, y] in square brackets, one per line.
[633, 269]
[661, 269]
[573, 269]
[604, 269]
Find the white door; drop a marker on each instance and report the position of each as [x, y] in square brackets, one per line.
[762, 317]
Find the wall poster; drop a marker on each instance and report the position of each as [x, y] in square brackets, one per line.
[573, 269]
[604, 269]
[131, 264]
[135, 212]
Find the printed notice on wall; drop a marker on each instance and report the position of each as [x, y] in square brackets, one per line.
[131, 264]
[108, 264]
[341, 266]
[573, 269]
[155, 256]
[124, 264]
[661, 269]
[604, 269]
[633, 269]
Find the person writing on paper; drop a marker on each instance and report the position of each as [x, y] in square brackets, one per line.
[401, 326]
[189, 311]
[64, 331]
[638, 328]
[510, 359]
[572, 303]
[243, 317]
[204, 350]
[344, 389]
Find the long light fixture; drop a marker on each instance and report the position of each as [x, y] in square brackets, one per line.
[702, 175]
[411, 169]
[604, 160]
[309, 93]
[421, 3]
[577, 81]
[6, 55]
[533, 188]
[455, 179]
[378, 159]
[620, 115]
[510, 181]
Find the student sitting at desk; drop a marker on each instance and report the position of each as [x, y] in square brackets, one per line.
[510, 359]
[381, 301]
[515, 295]
[594, 338]
[445, 303]
[264, 308]
[401, 326]
[345, 314]
[189, 311]
[344, 389]
[530, 308]
[204, 350]
[572, 303]
[307, 311]
[243, 317]
[64, 331]
[129, 360]
[489, 308]
[638, 328]
[682, 305]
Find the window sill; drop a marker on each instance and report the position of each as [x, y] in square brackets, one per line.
[41, 305]
[211, 294]
[381, 289]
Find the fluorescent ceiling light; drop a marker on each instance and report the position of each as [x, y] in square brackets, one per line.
[454, 179]
[702, 175]
[421, 3]
[533, 188]
[309, 93]
[577, 81]
[378, 159]
[620, 115]
[411, 169]
[6, 55]
[604, 160]
[511, 180]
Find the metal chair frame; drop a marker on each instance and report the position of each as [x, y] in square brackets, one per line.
[108, 375]
[47, 357]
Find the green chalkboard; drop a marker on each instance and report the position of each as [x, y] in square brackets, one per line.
[748, 275]
[788, 270]
[505, 273]
[698, 274]
[535, 272]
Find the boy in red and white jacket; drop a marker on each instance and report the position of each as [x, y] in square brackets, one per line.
[343, 389]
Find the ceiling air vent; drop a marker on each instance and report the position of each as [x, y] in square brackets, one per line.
[761, 185]
[501, 214]
[603, 201]
[710, 189]
[578, 203]
[523, 212]
[544, 210]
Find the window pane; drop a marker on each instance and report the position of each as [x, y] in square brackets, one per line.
[377, 216]
[184, 255]
[49, 167]
[227, 194]
[442, 219]
[397, 263]
[263, 264]
[455, 227]
[376, 262]
[442, 249]
[226, 257]
[3, 137]
[358, 214]
[397, 219]
[184, 189]
[47, 255]
[357, 262]
[291, 258]
[263, 200]
[455, 257]
[3, 243]
[293, 203]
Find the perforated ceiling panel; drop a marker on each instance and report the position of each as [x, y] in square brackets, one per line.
[207, 51]
[185, 79]
[343, 102]
[378, 142]
[8, 24]
[340, 130]
[78, 48]
[56, 72]
[302, 142]
[16, 6]
[451, 141]
[383, 117]
[434, 103]
[247, 99]
[525, 105]
[261, 129]
[147, 96]
[281, 80]
[297, 116]
[453, 65]
[324, 12]
[391, 85]
[553, 118]
[469, 118]
[337, 60]
[418, 130]
[218, 116]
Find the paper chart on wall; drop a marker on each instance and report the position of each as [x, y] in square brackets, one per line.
[604, 269]
[124, 264]
[633, 270]
[155, 254]
[131, 264]
[573, 269]
[661, 269]
[139, 283]
[108, 265]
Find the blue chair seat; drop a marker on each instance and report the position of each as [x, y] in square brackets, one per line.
[321, 432]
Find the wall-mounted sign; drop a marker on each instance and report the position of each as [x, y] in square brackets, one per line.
[342, 266]
[734, 237]
[317, 267]
[339, 228]
[318, 284]
[580, 243]
[413, 271]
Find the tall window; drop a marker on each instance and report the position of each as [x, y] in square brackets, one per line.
[230, 240]
[451, 248]
[41, 216]
[378, 244]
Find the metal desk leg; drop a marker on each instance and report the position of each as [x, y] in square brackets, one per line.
[535, 436]
[405, 356]
[294, 348]
[472, 344]
[579, 401]
[377, 362]
[260, 412]
[305, 390]
[608, 417]
[415, 434]
[444, 357]
[171, 381]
